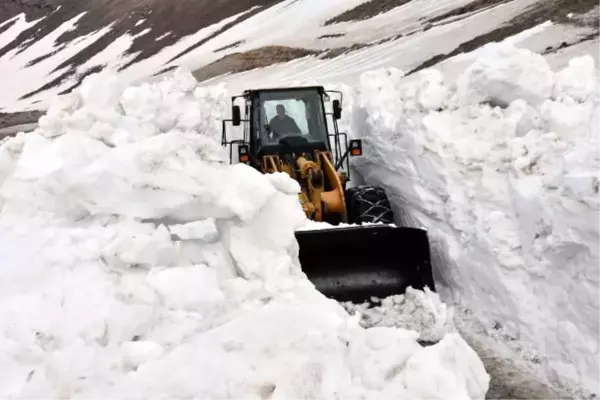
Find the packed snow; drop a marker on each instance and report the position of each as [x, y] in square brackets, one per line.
[501, 167]
[136, 263]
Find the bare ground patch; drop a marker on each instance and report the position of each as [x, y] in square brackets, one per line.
[367, 10]
[474, 6]
[19, 118]
[233, 45]
[338, 51]
[246, 61]
[331, 35]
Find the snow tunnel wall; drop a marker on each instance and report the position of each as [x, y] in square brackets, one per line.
[501, 167]
[137, 263]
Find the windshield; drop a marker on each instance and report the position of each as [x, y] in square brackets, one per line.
[291, 113]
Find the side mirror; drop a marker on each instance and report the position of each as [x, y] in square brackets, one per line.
[243, 153]
[236, 116]
[337, 109]
[356, 147]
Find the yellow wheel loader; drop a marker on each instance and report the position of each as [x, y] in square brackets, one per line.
[286, 130]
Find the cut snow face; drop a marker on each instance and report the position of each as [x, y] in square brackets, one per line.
[502, 169]
[137, 264]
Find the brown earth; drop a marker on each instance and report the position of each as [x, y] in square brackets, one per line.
[233, 45]
[257, 58]
[19, 118]
[474, 6]
[331, 35]
[366, 10]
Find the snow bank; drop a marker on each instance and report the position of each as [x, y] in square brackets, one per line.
[137, 263]
[502, 169]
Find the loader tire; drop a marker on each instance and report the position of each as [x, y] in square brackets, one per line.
[368, 204]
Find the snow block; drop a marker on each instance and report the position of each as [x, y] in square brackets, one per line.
[505, 73]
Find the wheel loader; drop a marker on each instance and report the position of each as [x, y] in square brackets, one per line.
[364, 256]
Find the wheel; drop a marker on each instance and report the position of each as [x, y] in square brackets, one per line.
[368, 204]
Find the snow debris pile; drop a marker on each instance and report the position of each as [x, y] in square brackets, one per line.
[136, 263]
[502, 169]
[421, 311]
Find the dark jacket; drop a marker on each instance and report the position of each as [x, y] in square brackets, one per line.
[283, 126]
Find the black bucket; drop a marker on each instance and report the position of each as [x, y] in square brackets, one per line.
[360, 262]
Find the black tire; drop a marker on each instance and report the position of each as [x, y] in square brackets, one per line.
[368, 204]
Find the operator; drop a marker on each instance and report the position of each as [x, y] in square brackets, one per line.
[283, 125]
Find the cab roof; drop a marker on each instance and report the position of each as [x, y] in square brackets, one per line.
[253, 92]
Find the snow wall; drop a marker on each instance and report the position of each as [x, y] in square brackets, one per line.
[502, 168]
[136, 263]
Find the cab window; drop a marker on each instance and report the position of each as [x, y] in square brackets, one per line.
[297, 113]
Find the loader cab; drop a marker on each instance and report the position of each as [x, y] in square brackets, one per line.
[280, 114]
[281, 120]
[285, 121]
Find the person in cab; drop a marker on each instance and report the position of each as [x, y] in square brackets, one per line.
[283, 125]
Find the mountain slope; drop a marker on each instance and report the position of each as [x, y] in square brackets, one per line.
[149, 26]
[54, 44]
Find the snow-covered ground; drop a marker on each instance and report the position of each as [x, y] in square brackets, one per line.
[98, 300]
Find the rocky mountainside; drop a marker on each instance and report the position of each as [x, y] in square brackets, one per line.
[151, 26]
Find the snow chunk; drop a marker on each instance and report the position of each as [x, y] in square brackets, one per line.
[433, 93]
[578, 81]
[152, 247]
[186, 287]
[416, 310]
[284, 183]
[428, 377]
[94, 93]
[140, 352]
[505, 73]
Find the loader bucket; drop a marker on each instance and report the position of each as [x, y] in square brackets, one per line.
[360, 262]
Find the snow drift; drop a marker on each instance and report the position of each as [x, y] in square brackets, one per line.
[502, 169]
[136, 263]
